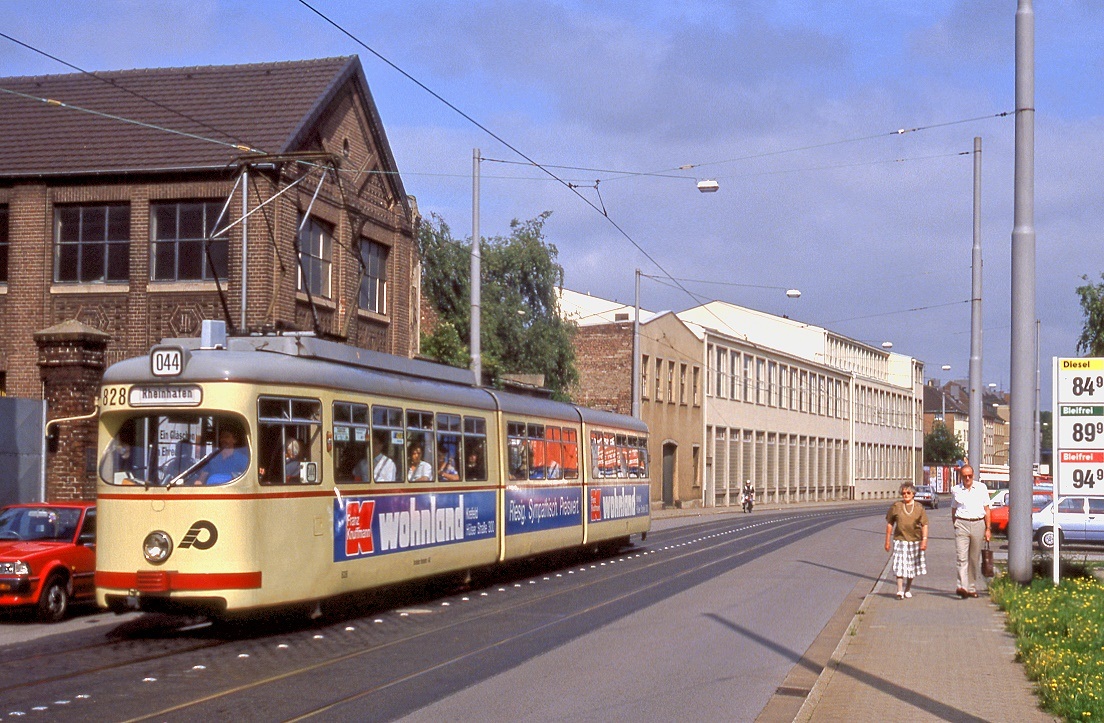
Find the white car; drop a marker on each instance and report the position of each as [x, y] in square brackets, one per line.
[998, 498]
[1080, 519]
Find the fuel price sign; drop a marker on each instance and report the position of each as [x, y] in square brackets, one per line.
[1079, 426]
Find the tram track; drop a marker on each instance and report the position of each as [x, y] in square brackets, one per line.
[795, 527]
[683, 544]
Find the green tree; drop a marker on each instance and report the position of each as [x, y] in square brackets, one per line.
[942, 447]
[1091, 341]
[523, 332]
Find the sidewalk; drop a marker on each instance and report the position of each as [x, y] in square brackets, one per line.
[932, 657]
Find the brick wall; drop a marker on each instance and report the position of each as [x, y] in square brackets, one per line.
[71, 362]
[603, 357]
[137, 314]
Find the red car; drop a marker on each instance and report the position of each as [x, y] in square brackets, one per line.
[47, 556]
[998, 515]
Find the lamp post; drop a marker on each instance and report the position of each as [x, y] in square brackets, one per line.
[476, 277]
[943, 394]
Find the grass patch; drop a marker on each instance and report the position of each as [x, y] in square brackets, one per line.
[1060, 636]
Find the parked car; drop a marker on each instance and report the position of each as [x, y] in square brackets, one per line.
[1080, 519]
[999, 498]
[926, 495]
[47, 556]
[998, 507]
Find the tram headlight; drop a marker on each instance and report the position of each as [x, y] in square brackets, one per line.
[157, 547]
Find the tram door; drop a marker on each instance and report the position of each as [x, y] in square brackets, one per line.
[669, 450]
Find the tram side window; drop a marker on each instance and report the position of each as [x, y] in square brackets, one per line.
[538, 452]
[419, 446]
[449, 447]
[604, 453]
[351, 448]
[475, 449]
[289, 440]
[570, 453]
[553, 453]
[622, 465]
[596, 463]
[637, 456]
[516, 461]
[388, 442]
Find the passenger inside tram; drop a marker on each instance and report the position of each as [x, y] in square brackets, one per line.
[229, 462]
[384, 468]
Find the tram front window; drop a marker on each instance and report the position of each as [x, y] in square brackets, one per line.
[165, 450]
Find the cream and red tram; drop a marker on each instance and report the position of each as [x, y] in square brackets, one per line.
[287, 469]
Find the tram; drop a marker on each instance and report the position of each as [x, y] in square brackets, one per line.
[247, 472]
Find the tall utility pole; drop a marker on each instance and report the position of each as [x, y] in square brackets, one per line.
[635, 385]
[245, 246]
[1038, 420]
[476, 277]
[977, 417]
[1023, 303]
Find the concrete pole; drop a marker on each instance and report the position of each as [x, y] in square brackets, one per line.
[1023, 302]
[245, 243]
[476, 277]
[635, 386]
[1038, 420]
[977, 418]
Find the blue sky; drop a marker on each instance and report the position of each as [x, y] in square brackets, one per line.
[789, 105]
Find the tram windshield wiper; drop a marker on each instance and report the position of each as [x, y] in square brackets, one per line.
[179, 478]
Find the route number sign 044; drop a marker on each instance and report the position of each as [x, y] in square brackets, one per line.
[1079, 426]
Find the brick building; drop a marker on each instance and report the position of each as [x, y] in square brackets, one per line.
[135, 204]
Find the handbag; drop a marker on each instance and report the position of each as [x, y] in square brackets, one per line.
[987, 561]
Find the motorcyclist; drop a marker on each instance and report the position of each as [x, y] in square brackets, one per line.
[748, 496]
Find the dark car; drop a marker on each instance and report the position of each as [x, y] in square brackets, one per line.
[926, 495]
[47, 556]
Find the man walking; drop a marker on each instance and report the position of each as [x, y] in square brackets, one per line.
[970, 517]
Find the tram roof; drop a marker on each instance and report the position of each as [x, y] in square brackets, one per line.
[308, 361]
[299, 359]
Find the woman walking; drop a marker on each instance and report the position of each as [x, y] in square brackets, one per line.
[907, 535]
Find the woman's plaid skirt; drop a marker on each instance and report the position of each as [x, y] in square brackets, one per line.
[908, 559]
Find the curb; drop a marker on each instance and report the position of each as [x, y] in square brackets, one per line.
[813, 699]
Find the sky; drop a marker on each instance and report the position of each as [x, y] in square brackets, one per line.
[792, 106]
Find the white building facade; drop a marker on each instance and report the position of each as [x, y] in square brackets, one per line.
[805, 414]
[802, 412]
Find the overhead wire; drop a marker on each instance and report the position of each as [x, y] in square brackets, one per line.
[498, 138]
[239, 145]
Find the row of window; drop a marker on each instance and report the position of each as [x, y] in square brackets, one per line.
[887, 409]
[369, 443]
[619, 455]
[880, 461]
[375, 443]
[188, 242]
[658, 380]
[769, 459]
[757, 380]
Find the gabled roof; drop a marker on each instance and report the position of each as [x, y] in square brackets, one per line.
[588, 310]
[269, 107]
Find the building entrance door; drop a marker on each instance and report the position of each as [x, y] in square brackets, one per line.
[669, 451]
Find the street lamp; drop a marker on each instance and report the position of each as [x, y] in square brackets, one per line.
[943, 393]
